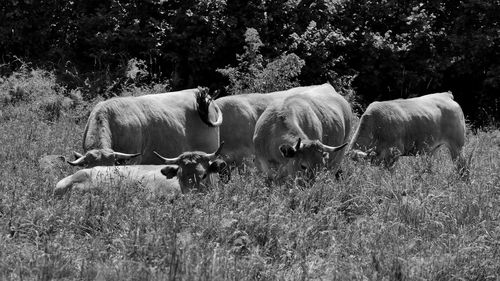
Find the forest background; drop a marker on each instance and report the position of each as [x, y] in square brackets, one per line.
[378, 50]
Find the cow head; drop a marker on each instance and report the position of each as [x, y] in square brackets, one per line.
[308, 155]
[203, 101]
[193, 169]
[101, 157]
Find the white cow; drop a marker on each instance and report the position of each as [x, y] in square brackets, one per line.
[190, 170]
[302, 132]
[148, 177]
[241, 113]
[394, 128]
[170, 123]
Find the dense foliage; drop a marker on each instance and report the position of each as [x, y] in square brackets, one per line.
[390, 49]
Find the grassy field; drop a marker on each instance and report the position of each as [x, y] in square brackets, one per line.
[417, 222]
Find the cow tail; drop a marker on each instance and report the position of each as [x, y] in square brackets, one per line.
[97, 132]
[203, 101]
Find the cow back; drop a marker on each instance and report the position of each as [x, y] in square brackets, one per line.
[168, 123]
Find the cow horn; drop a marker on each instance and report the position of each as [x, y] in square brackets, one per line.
[297, 146]
[125, 156]
[78, 162]
[77, 155]
[216, 153]
[167, 161]
[331, 149]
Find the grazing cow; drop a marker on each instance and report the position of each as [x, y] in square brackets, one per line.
[241, 113]
[133, 127]
[302, 132]
[190, 170]
[390, 129]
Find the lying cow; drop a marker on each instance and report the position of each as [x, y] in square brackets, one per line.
[190, 170]
[241, 113]
[303, 132]
[390, 129]
[133, 127]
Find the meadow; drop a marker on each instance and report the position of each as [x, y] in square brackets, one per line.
[417, 222]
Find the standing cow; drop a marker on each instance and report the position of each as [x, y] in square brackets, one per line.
[133, 127]
[390, 129]
[241, 113]
[302, 132]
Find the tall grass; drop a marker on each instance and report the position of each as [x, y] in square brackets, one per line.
[419, 221]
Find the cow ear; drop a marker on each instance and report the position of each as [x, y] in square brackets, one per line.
[220, 166]
[170, 171]
[217, 166]
[287, 150]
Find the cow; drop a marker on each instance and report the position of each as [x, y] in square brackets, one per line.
[126, 128]
[241, 113]
[189, 171]
[303, 132]
[405, 127]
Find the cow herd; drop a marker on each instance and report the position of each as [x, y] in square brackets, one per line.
[176, 142]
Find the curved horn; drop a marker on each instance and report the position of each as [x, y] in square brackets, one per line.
[168, 161]
[77, 155]
[297, 146]
[330, 149]
[216, 153]
[78, 162]
[125, 156]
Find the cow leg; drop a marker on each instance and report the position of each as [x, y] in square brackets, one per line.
[335, 161]
[462, 165]
[339, 174]
[225, 175]
[261, 165]
[458, 158]
[390, 156]
[433, 150]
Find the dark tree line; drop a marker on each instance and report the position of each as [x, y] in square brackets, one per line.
[384, 49]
